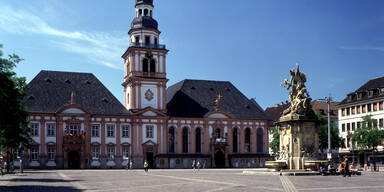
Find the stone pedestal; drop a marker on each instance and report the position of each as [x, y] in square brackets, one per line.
[299, 140]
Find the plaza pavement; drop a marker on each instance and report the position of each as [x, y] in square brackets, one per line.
[207, 180]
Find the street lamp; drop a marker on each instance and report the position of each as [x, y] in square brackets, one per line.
[21, 154]
[328, 100]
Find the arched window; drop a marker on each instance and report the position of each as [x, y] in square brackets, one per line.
[145, 65]
[171, 139]
[260, 140]
[185, 140]
[152, 68]
[198, 140]
[247, 140]
[150, 13]
[140, 12]
[217, 133]
[145, 12]
[235, 136]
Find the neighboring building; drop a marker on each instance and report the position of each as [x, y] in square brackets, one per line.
[77, 123]
[366, 100]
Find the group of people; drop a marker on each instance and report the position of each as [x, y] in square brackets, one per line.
[344, 168]
[196, 164]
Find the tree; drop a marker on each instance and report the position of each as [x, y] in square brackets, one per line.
[368, 136]
[13, 117]
[275, 143]
[336, 140]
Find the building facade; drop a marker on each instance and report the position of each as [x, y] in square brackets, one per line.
[366, 100]
[77, 123]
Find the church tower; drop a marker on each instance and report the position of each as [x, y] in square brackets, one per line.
[145, 62]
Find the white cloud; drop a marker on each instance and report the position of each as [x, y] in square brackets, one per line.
[101, 48]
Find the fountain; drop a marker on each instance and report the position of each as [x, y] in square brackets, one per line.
[298, 129]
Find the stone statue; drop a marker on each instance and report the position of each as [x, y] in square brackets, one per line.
[298, 94]
[217, 102]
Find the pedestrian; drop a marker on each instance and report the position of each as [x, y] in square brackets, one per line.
[194, 165]
[146, 166]
[198, 165]
[346, 168]
[322, 170]
[130, 164]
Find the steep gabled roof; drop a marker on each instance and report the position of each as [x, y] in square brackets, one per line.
[195, 98]
[51, 90]
[376, 86]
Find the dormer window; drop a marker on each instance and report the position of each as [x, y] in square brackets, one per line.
[382, 91]
[370, 93]
[48, 80]
[349, 97]
[68, 81]
[359, 95]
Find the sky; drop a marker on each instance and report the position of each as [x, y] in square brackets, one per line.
[339, 44]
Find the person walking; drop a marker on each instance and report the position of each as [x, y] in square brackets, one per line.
[194, 165]
[146, 166]
[130, 164]
[198, 165]
[346, 168]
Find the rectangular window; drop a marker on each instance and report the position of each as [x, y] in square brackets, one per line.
[34, 129]
[348, 111]
[353, 126]
[111, 153]
[343, 112]
[73, 129]
[125, 130]
[381, 106]
[343, 127]
[156, 41]
[125, 152]
[95, 130]
[51, 153]
[51, 130]
[147, 40]
[375, 106]
[358, 109]
[348, 127]
[149, 131]
[381, 123]
[34, 153]
[110, 130]
[364, 108]
[353, 110]
[95, 151]
[137, 39]
[358, 125]
[369, 106]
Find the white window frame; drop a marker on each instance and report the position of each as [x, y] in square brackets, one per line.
[51, 151]
[125, 131]
[74, 129]
[51, 129]
[35, 129]
[110, 130]
[149, 131]
[95, 151]
[97, 128]
[125, 151]
[111, 153]
[34, 153]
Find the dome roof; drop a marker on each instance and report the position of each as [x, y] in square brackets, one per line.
[144, 1]
[144, 22]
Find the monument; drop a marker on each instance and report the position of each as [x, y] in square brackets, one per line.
[298, 127]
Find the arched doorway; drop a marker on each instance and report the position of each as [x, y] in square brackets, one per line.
[73, 160]
[219, 159]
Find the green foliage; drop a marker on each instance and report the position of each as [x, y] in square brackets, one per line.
[368, 135]
[336, 140]
[275, 143]
[13, 117]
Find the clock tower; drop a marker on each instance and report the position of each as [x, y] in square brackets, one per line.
[145, 62]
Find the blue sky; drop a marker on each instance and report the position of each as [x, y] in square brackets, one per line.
[252, 43]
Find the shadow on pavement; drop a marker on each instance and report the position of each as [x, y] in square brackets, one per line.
[40, 180]
[38, 188]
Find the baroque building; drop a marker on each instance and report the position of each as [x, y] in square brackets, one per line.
[366, 100]
[76, 122]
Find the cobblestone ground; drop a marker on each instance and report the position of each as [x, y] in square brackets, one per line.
[207, 180]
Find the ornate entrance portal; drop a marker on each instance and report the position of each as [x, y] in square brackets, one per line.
[219, 158]
[73, 160]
